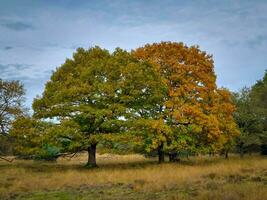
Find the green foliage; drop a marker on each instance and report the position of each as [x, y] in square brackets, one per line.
[5, 145]
[28, 135]
[67, 137]
[99, 92]
[251, 116]
[43, 140]
[121, 143]
[48, 152]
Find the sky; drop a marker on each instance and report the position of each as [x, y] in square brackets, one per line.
[36, 36]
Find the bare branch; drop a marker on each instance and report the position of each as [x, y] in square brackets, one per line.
[7, 160]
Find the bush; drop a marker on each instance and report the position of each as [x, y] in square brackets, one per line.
[48, 152]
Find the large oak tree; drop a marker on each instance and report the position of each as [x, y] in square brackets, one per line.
[193, 111]
[101, 92]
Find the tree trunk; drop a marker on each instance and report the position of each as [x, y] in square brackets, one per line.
[264, 149]
[226, 154]
[92, 156]
[241, 151]
[173, 157]
[161, 153]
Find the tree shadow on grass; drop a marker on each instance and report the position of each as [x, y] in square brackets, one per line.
[46, 166]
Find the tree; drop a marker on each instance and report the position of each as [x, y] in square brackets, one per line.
[248, 122]
[259, 102]
[227, 124]
[11, 100]
[251, 117]
[191, 107]
[101, 93]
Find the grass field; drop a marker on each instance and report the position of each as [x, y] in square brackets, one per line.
[136, 177]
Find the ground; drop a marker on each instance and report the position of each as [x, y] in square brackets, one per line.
[136, 177]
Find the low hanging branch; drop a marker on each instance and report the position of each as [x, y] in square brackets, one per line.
[68, 156]
[7, 160]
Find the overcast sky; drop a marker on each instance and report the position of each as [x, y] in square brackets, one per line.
[36, 36]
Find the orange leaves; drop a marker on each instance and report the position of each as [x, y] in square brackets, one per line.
[224, 94]
[225, 105]
[192, 92]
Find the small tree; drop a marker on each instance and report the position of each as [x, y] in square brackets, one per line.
[259, 102]
[249, 122]
[11, 100]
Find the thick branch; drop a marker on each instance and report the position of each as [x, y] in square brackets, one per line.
[5, 159]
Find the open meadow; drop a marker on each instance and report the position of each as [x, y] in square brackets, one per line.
[135, 177]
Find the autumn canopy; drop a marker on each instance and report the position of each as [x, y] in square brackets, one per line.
[162, 97]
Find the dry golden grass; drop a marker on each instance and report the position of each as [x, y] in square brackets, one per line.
[198, 178]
